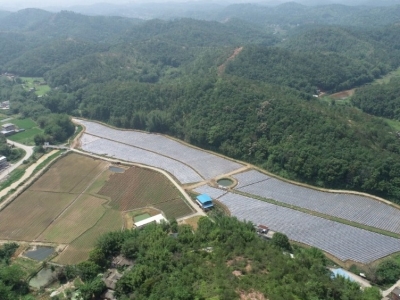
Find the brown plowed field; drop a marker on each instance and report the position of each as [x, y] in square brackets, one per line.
[137, 187]
[79, 249]
[71, 174]
[27, 216]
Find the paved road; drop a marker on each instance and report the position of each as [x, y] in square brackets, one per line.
[28, 174]
[389, 290]
[28, 153]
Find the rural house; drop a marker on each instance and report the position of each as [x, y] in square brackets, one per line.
[8, 129]
[395, 294]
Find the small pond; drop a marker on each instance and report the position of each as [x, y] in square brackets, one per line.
[225, 182]
[39, 253]
[42, 278]
[116, 169]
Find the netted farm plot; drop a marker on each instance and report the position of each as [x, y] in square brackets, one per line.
[359, 209]
[206, 164]
[109, 148]
[342, 241]
[212, 192]
[139, 187]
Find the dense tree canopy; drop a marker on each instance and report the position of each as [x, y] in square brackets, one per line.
[380, 100]
[222, 259]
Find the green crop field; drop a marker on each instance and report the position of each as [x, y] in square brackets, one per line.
[24, 123]
[36, 83]
[25, 137]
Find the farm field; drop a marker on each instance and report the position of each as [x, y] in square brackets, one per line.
[79, 198]
[79, 249]
[180, 171]
[355, 208]
[25, 137]
[204, 163]
[36, 83]
[138, 187]
[345, 242]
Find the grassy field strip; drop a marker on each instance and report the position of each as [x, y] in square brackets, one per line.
[388, 77]
[69, 205]
[79, 249]
[64, 230]
[28, 173]
[25, 137]
[313, 213]
[35, 83]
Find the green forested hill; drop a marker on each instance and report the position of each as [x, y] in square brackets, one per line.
[306, 71]
[380, 99]
[292, 14]
[190, 32]
[372, 46]
[49, 55]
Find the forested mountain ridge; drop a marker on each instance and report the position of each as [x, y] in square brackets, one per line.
[45, 25]
[265, 13]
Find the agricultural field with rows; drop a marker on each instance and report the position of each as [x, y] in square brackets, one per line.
[79, 198]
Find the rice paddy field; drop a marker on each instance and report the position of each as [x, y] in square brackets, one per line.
[79, 198]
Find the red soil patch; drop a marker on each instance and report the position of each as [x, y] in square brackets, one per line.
[221, 68]
[343, 94]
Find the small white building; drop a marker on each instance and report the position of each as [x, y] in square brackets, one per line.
[156, 219]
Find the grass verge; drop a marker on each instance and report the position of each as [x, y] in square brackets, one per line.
[46, 162]
[14, 176]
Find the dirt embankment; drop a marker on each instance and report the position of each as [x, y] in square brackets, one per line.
[343, 94]
[236, 52]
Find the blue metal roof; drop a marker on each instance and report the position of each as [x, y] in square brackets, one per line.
[203, 198]
[343, 273]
